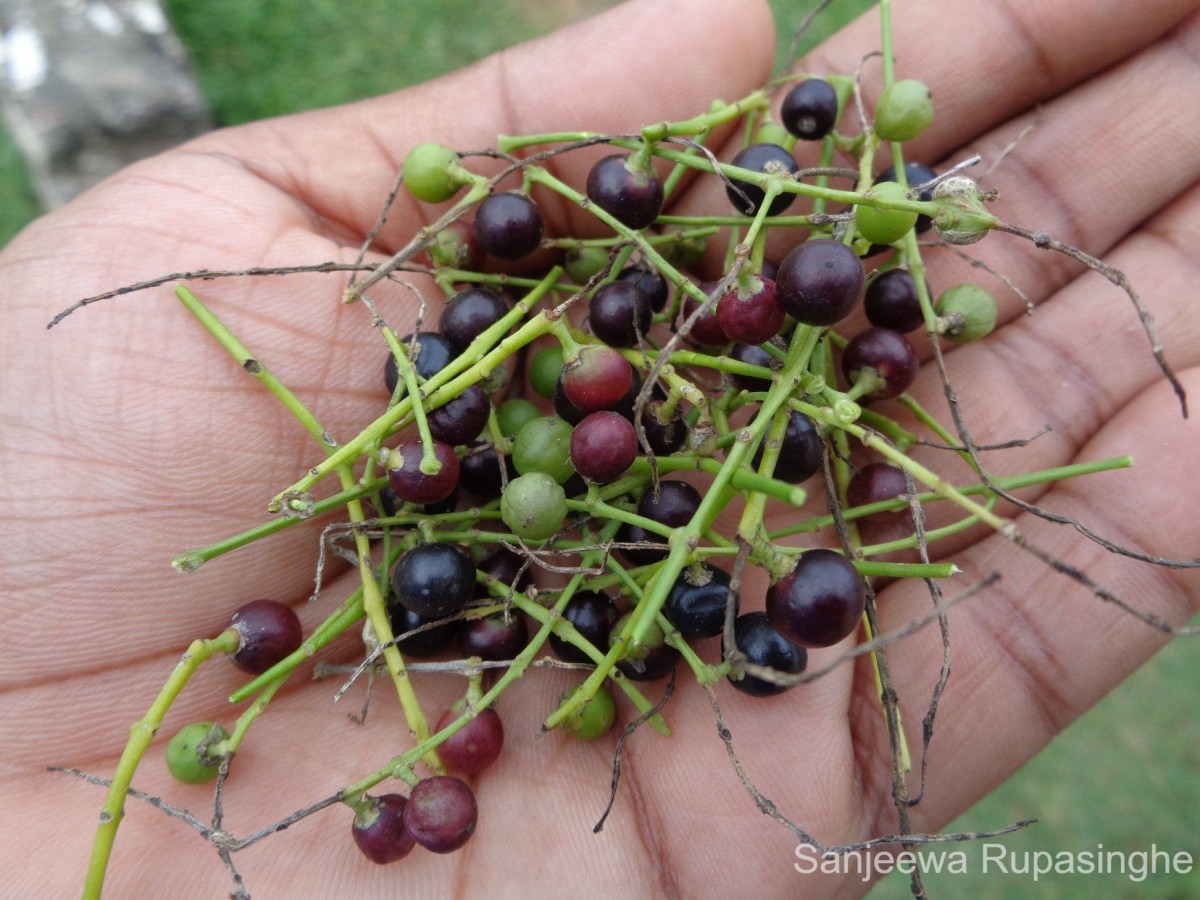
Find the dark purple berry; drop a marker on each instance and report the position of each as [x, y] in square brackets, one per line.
[632, 196]
[414, 486]
[810, 109]
[801, 452]
[820, 282]
[473, 747]
[706, 329]
[479, 471]
[760, 158]
[434, 353]
[874, 483]
[593, 616]
[651, 658]
[441, 813]
[676, 503]
[755, 356]
[426, 639]
[753, 314]
[462, 419]
[664, 437]
[470, 313]
[819, 602]
[508, 226]
[619, 313]
[493, 637]
[698, 610]
[764, 646]
[434, 580]
[891, 301]
[886, 352]
[651, 283]
[379, 831]
[507, 568]
[268, 631]
[603, 446]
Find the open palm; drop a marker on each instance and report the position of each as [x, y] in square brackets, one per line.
[128, 436]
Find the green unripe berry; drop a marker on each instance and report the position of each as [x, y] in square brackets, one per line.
[534, 506]
[961, 218]
[904, 110]
[884, 226]
[513, 414]
[594, 718]
[187, 752]
[966, 312]
[582, 263]
[544, 369]
[430, 173]
[544, 445]
[771, 132]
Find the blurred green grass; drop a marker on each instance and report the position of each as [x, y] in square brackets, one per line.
[1126, 775]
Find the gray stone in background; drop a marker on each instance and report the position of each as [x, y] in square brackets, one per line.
[90, 86]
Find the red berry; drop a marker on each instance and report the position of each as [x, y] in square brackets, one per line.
[819, 602]
[603, 446]
[379, 831]
[441, 813]
[886, 352]
[599, 379]
[752, 315]
[268, 631]
[414, 486]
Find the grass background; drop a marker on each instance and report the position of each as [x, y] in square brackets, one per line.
[1126, 775]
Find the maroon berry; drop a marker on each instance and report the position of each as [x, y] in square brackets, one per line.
[268, 631]
[603, 446]
[493, 637]
[441, 813]
[819, 602]
[706, 329]
[599, 379]
[476, 745]
[751, 314]
[886, 352]
[631, 195]
[379, 831]
[414, 486]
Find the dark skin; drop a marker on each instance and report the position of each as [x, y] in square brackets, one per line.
[128, 435]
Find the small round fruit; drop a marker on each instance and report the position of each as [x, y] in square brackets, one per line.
[592, 614]
[631, 194]
[480, 471]
[441, 813]
[764, 646]
[801, 451]
[545, 369]
[664, 437]
[593, 718]
[698, 610]
[820, 282]
[599, 379]
[429, 172]
[534, 506]
[544, 445]
[751, 313]
[462, 419]
[649, 659]
[268, 631]
[434, 353]
[476, 745]
[603, 446]
[619, 313]
[904, 110]
[888, 354]
[455, 247]
[414, 486]
[378, 829]
[968, 312]
[754, 355]
[884, 226]
[493, 637]
[582, 263]
[874, 483]
[187, 753]
[915, 174]
[508, 226]
[514, 413]
[768, 158]
[651, 283]
[426, 638]
[508, 568]
[891, 301]
[470, 313]
[707, 328]
[810, 109]
[434, 580]
[819, 602]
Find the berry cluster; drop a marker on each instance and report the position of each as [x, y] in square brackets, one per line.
[545, 426]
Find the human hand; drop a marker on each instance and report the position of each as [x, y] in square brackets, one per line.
[128, 436]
